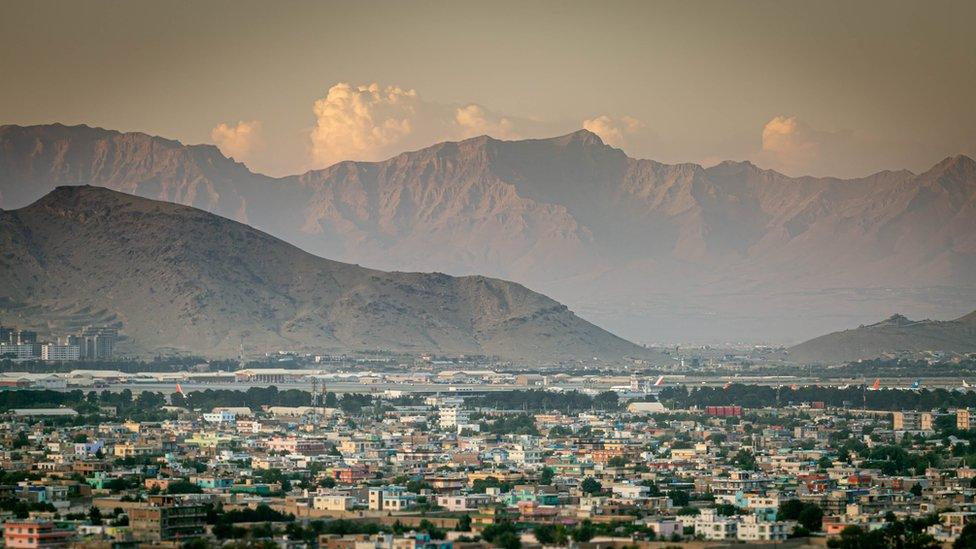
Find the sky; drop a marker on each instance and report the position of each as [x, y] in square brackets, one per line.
[822, 88]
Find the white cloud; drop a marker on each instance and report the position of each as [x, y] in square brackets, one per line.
[790, 144]
[614, 132]
[371, 122]
[362, 122]
[474, 120]
[239, 141]
[794, 147]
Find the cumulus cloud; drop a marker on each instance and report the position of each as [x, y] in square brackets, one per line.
[474, 120]
[615, 132]
[239, 141]
[362, 122]
[373, 122]
[791, 144]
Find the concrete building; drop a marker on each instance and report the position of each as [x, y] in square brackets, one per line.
[164, 518]
[449, 418]
[390, 498]
[333, 502]
[712, 526]
[98, 342]
[32, 534]
[754, 528]
[20, 351]
[55, 352]
[963, 419]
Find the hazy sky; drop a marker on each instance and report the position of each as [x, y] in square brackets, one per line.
[839, 88]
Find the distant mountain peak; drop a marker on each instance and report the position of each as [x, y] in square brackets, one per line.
[958, 165]
[897, 318]
[893, 336]
[580, 137]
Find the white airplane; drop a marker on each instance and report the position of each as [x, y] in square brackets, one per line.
[636, 388]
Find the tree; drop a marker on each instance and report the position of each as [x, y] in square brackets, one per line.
[464, 523]
[508, 540]
[95, 516]
[967, 538]
[183, 487]
[679, 498]
[745, 460]
[584, 532]
[809, 515]
[502, 534]
[546, 476]
[811, 518]
[591, 486]
[545, 533]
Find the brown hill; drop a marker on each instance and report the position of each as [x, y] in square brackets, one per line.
[654, 251]
[178, 279]
[894, 336]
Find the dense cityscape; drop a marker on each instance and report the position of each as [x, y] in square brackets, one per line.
[301, 457]
[506, 274]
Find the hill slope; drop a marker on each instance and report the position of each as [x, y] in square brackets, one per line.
[175, 278]
[654, 251]
[893, 336]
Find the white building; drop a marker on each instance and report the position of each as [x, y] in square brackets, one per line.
[333, 502]
[712, 526]
[390, 498]
[464, 502]
[753, 528]
[449, 418]
[222, 416]
[630, 491]
[21, 351]
[525, 455]
[55, 352]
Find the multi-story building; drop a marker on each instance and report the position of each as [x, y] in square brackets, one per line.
[712, 526]
[390, 498]
[451, 417]
[55, 352]
[333, 502]
[98, 342]
[753, 528]
[164, 518]
[32, 534]
[963, 419]
[20, 351]
[297, 445]
[912, 421]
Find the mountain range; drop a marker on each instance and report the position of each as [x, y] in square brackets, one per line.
[176, 279]
[652, 251]
[895, 336]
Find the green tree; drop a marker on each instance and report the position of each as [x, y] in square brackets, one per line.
[591, 486]
[745, 460]
[967, 538]
[584, 532]
[545, 533]
[464, 523]
[546, 476]
[811, 518]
